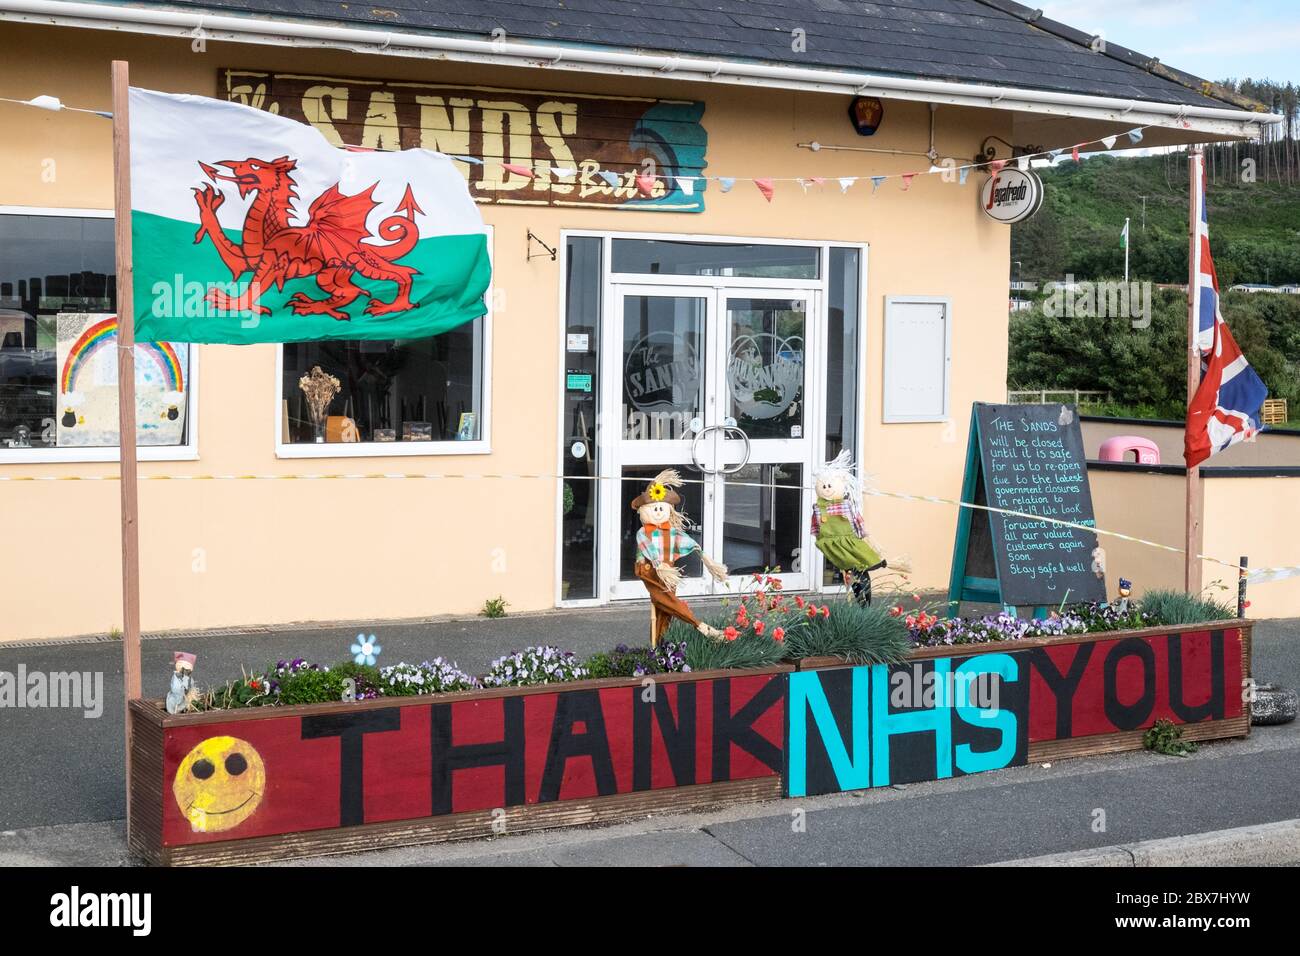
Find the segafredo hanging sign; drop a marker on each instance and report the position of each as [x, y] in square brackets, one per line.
[1011, 195]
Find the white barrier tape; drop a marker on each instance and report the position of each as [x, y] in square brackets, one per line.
[1259, 576]
[1266, 575]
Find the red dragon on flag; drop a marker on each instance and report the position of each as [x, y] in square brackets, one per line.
[331, 246]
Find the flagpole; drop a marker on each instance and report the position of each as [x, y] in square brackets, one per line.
[1126, 244]
[1192, 568]
[126, 403]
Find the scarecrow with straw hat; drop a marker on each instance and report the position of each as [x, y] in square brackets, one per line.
[660, 543]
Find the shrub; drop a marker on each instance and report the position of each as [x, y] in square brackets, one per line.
[311, 685]
[1178, 607]
[623, 661]
[429, 677]
[702, 653]
[252, 690]
[365, 679]
[855, 634]
[495, 607]
[534, 665]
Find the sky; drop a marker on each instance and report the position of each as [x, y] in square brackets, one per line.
[1213, 39]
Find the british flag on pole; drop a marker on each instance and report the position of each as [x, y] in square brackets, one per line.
[1227, 404]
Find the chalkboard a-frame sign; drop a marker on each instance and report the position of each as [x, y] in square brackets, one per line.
[1026, 458]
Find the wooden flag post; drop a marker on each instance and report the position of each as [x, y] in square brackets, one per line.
[1192, 570]
[126, 401]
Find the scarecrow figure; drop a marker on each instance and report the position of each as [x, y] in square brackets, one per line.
[838, 528]
[181, 694]
[660, 542]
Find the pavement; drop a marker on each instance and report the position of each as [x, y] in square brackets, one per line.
[1231, 802]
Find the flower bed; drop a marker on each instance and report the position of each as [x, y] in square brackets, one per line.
[302, 758]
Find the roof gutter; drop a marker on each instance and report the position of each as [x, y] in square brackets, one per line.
[367, 40]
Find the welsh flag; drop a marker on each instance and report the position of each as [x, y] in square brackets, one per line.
[249, 227]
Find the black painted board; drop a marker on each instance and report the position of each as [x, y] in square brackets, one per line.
[1032, 461]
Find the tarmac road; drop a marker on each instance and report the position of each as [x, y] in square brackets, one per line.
[64, 769]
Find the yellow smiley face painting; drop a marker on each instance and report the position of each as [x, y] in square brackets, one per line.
[219, 784]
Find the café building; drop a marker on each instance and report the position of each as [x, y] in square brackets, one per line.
[693, 267]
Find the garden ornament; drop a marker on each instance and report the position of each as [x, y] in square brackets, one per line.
[838, 528]
[660, 543]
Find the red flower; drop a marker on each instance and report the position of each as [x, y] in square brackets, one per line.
[799, 600]
[778, 634]
[759, 627]
[916, 598]
[895, 611]
[910, 621]
[731, 633]
[826, 610]
[812, 613]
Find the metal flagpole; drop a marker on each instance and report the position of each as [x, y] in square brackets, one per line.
[1126, 243]
[126, 403]
[1192, 570]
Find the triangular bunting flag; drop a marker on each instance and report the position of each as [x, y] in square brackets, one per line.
[845, 182]
[765, 187]
[564, 172]
[686, 184]
[962, 174]
[611, 177]
[804, 184]
[1108, 141]
[1074, 153]
[818, 180]
[996, 166]
[726, 182]
[518, 170]
[472, 160]
[1053, 153]
[876, 181]
[1134, 135]
[907, 181]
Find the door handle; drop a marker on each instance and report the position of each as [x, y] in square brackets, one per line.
[749, 449]
[727, 430]
[695, 444]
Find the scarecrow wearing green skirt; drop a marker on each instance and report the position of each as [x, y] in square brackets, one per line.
[838, 528]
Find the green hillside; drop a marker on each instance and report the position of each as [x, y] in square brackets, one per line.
[1254, 227]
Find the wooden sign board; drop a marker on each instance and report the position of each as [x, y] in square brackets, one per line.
[583, 136]
[1025, 458]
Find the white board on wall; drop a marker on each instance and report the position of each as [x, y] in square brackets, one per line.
[918, 346]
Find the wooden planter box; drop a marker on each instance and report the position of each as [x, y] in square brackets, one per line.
[1070, 696]
[245, 786]
[281, 782]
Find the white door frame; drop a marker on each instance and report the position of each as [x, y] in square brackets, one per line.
[610, 501]
[714, 453]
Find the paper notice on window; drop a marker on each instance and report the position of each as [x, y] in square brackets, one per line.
[86, 413]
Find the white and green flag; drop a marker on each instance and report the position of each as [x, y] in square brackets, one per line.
[250, 227]
[1123, 236]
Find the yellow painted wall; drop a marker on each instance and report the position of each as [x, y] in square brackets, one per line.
[1145, 506]
[289, 551]
[1258, 518]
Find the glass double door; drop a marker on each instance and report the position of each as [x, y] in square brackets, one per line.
[716, 383]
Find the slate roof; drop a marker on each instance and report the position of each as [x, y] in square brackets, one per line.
[994, 42]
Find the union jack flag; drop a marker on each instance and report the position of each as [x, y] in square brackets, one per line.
[1227, 404]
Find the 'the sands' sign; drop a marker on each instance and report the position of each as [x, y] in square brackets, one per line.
[582, 150]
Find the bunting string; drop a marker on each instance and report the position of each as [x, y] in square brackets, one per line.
[644, 181]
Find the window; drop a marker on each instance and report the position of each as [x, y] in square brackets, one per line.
[58, 366]
[579, 494]
[732, 259]
[396, 397]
